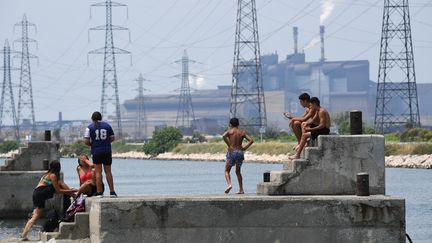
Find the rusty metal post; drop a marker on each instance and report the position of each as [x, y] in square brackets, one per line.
[356, 125]
[362, 184]
[47, 135]
[267, 176]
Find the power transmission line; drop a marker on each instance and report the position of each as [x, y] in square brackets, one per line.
[26, 114]
[247, 93]
[7, 104]
[396, 101]
[110, 94]
[185, 113]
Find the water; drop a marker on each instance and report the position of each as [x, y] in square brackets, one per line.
[150, 177]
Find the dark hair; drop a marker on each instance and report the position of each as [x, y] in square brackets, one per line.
[315, 100]
[304, 96]
[96, 116]
[79, 158]
[55, 167]
[234, 122]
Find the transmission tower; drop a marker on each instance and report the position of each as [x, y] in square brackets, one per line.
[247, 94]
[185, 113]
[110, 94]
[396, 102]
[7, 104]
[141, 116]
[26, 114]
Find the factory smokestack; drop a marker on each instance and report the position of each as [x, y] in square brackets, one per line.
[322, 42]
[295, 34]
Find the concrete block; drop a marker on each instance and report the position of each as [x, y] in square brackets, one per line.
[332, 167]
[281, 176]
[31, 158]
[325, 219]
[17, 190]
[46, 236]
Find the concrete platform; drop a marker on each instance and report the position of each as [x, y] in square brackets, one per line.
[248, 218]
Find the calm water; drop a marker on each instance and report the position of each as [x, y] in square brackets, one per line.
[141, 177]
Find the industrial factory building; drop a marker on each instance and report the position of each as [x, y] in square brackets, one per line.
[340, 85]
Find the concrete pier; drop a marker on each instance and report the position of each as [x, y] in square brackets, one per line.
[248, 218]
[20, 175]
[331, 168]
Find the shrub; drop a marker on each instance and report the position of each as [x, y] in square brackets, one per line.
[422, 149]
[416, 135]
[7, 146]
[122, 147]
[163, 140]
[76, 148]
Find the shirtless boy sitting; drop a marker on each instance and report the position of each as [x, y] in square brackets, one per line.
[296, 121]
[235, 155]
[322, 118]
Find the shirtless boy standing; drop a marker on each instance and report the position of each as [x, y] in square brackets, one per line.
[235, 154]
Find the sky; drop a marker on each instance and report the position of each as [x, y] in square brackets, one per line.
[66, 79]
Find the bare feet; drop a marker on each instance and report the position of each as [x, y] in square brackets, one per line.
[240, 192]
[228, 189]
[292, 157]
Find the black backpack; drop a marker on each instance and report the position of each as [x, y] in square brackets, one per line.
[52, 221]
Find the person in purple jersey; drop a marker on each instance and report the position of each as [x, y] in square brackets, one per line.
[99, 135]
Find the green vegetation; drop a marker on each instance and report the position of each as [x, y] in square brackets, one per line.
[163, 140]
[7, 146]
[405, 149]
[272, 148]
[342, 121]
[274, 143]
[201, 148]
[416, 135]
[74, 149]
[122, 147]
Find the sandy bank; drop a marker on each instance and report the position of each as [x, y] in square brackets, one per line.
[401, 161]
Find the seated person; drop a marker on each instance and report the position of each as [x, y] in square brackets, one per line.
[322, 118]
[86, 175]
[49, 184]
[295, 122]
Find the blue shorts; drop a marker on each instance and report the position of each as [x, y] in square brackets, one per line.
[235, 157]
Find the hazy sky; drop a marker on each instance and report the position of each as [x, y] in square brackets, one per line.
[161, 30]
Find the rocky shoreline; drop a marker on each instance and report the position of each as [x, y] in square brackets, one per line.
[397, 161]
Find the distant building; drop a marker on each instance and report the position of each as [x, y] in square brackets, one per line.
[341, 86]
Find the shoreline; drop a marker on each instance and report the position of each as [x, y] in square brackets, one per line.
[393, 161]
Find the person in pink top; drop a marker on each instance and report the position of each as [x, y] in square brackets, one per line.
[86, 175]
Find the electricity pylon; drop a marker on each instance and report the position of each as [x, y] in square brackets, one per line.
[185, 112]
[110, 93]
[247, 93]
[26, 114]
[141, 115]
[396, 101]
[7, 104]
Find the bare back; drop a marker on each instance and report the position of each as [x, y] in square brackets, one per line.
[234, 138]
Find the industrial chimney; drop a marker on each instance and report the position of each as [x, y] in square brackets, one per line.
[322, 42]
[295, 34]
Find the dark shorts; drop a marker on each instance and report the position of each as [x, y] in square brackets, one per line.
[235, 157]
[322, 131]
[41, 194]
[105, 159]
